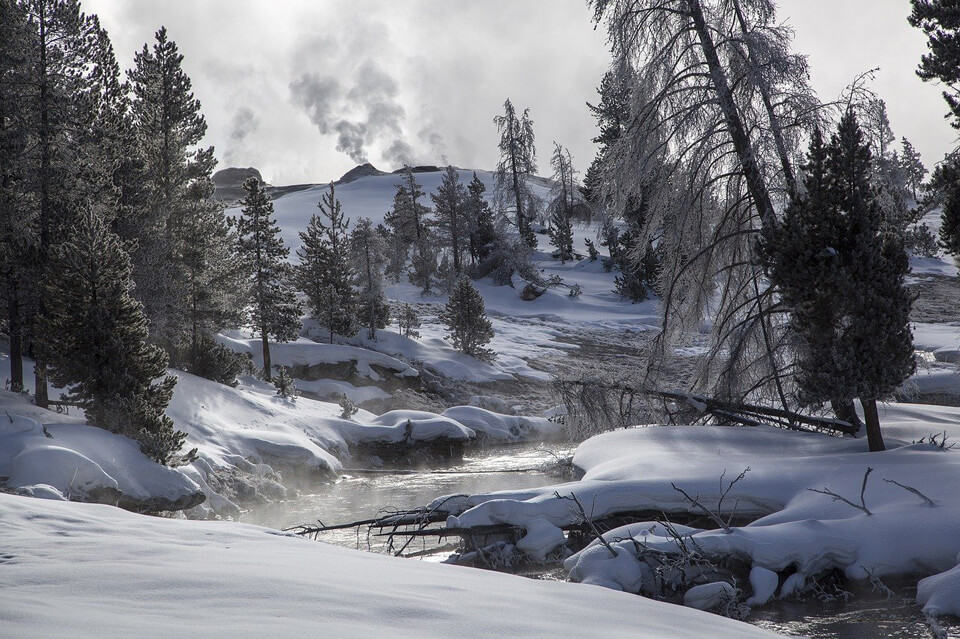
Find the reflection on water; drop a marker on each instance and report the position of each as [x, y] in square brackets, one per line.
[362, 496]
[356, 497]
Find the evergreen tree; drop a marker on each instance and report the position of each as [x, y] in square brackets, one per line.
[408, 321]
[408, 217]
[96, 340]
[911, 165]
[482, 230]
[452, 223]
[843, 278]
[612, 114]
[60, 95]
[517, 163]
[465, 317]
[950, 220]
[369, 259]
[938, 20]
[16, 219]
[396, 252]
[423, 265]
[325, 273]
[564, 199]
[272, 301]
[183, 262]
[283, 382]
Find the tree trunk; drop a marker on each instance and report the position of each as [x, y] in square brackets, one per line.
[845, 410]
[267, 368]
[870, 416]
[40, 371]
[16, 337]
[738, 133]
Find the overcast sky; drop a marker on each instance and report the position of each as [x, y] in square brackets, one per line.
[283, 84]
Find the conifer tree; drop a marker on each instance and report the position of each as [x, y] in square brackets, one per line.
[423, 264]
[911, 165]
[517, 163]
[465, 317]
[272, 302]
[938, 20]
[325, 273]
[369, 259]
[16, 228]
[843, 279]
[96, 340]
[408, 217]
[449, 204]
[408, 321]
[482, 230]
[182, 265]
[564, 199]
[61, 95]
[611, 113]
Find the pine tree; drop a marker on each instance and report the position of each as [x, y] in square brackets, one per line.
[911, 164]
[517, 163]
[949, 234]
[843, 279]
[273, 307]
[283, 382]
[183, 258]
[482, 230]
[408, 217]
[938, 20]
[465, 317]
[325, 273]
[369, 259]
[564, 199]
[612, 114]
[16, 220]
[423, 265]
[408, 321]
[97, 340]
[449, 204]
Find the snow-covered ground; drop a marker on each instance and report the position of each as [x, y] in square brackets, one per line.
[83, 570]
[797, 534]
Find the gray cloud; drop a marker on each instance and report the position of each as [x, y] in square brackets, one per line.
[399, 153]
[318, 97]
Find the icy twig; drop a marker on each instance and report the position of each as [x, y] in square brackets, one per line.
[588, 521]
[913, 490]
[709, 513]
[861, 506]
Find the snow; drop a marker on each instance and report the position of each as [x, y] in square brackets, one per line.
[113, 573]
[65, 457]
[793, 528]
[507, 428]
[940, 594]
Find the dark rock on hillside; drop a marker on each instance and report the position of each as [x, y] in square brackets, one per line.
[361, 170]
[234, 176]
[422, 168]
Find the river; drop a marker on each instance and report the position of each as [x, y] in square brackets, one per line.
[360, 496]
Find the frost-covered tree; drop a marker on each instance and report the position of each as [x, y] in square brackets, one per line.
[96, 340]
[718, 107]
[518, 161]
[325, 273]
[183, 262]
[284, 383]
[272, 307]
[565, 198]
[408, 321]
[911, 165]
[842, 277]
[938, 20]
[408, 217]
[369, 259]
[483, 232]
[465, 317]
[423, 264]
[450, 211]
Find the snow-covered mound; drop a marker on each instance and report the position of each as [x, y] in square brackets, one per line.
[506, 428]
[112, 573]
[71, 460]
[795, 531]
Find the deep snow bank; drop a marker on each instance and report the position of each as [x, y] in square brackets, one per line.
[94, 571]
[798, 534]
[64, 458]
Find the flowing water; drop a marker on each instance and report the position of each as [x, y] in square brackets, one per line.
[360, 496]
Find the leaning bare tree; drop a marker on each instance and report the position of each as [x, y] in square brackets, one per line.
[719, 107]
